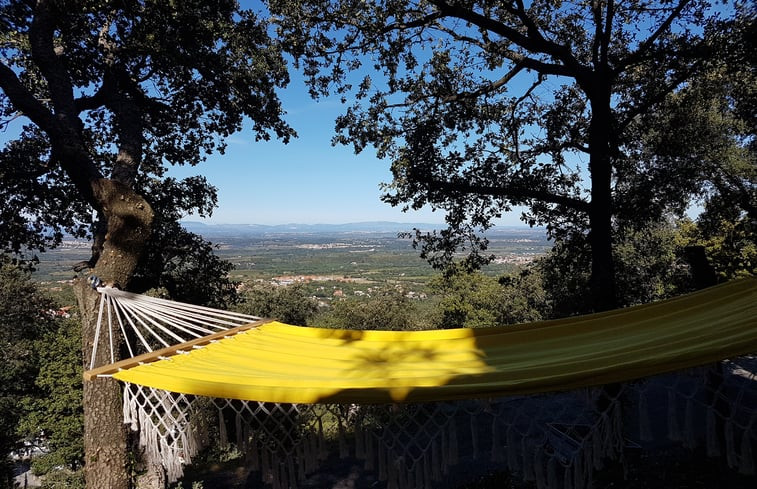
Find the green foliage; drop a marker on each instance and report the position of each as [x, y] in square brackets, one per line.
[731, 247]
[288, 304]
[565, 275]
[387, 308]
[650, 265]
[474, 300]
[63, 479]
[134, 87]
[55, 414]
[700, 143]
[25, 314]
[184, 265]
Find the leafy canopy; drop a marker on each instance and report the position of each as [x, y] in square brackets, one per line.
[140, 85]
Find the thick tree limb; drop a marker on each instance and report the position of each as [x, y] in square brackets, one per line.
[533, 41]
[24, 101]
[41, 37]
[607, 34]
[510, 192]
[95, 101]
[596, 10]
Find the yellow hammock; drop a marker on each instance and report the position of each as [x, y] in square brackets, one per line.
[276, 362]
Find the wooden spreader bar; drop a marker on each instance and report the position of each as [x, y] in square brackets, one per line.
[156, 355]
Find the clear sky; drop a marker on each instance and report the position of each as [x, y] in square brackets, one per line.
[307, 181]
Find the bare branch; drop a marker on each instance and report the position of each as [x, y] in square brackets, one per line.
[516, 142]
[5, 123]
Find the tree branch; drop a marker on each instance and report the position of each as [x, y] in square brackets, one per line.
[659, 96]
[530, 63]
[23, 100]
[99, 99]
[595, 45]
[510, 192]
[639, 54]
[607, 32]
[41, 36]
[489, 88]
[513, 124]
[423, 21]
[551, 48]
[535, 44]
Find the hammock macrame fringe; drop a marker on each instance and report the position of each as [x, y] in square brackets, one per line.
[555, 440]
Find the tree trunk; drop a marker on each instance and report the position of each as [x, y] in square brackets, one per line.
[105, 437]
[602, 282]
[603, 292]
[105, 441]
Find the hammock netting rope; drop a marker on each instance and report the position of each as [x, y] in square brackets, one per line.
[528, 398]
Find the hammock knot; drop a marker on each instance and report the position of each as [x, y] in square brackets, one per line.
[94, 281]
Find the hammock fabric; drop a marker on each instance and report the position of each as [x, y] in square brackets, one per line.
[276, 362]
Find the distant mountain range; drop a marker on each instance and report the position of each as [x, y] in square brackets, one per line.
[352, 227]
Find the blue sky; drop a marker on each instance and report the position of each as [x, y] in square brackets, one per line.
[307, 181]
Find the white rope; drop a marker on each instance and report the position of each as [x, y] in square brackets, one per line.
[136, 314]
[158, 320]
[209, 311]
[110, 333]
[123, 330]
[182, 319]
[97, 333]
[215, 320]
[145, 343]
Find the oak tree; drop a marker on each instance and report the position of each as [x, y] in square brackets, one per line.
[107, 95]
[484, 105]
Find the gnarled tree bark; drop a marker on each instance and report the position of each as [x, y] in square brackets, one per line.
[105, 438]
